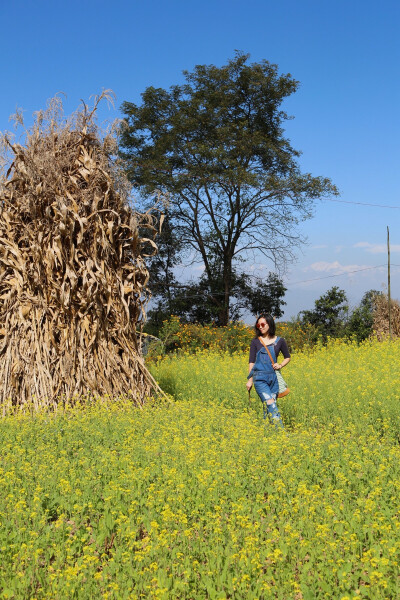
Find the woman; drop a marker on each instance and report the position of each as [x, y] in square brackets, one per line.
[261, 369]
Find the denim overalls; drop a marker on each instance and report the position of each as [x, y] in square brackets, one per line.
[266, 383]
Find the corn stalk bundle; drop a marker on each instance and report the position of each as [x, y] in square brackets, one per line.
[72, 273]
[381, 317]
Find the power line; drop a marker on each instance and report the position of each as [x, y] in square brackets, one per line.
[338, 274]
[361, 203]
[192, 296]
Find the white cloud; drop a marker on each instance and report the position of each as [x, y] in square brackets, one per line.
[334, 267]
[259, 268]
[377, 248]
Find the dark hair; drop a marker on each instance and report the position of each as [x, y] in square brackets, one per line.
[271, 324]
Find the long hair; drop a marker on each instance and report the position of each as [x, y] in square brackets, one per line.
[271, 324]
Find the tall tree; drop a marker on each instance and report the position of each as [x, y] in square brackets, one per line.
[216, 144]
[161, 265]
[163, 284]
[192, 300]
[196, 303]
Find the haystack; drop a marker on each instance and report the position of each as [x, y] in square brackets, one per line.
[381, 317]
[72, 273]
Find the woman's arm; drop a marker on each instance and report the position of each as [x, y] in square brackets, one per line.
[278, 366]
[286, 355]
[249, 383]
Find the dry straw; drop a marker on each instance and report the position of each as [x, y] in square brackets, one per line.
[72, 273]
[381, 317]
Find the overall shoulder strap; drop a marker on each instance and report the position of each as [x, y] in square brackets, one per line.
[266, 347]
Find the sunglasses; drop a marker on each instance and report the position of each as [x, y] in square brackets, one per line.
[260, 325]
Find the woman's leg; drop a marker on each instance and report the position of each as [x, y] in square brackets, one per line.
[274, 414]
[269, 404]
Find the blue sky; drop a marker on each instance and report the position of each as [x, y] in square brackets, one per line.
[346, 55]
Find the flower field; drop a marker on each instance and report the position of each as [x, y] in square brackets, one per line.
[198, 498]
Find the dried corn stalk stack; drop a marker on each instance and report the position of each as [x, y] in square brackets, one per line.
[381, 317]
[72, 274]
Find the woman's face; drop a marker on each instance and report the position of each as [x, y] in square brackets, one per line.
[263, 326]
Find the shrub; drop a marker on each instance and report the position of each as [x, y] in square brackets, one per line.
[175, 336]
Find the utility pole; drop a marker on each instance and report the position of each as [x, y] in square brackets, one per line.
[389, 301]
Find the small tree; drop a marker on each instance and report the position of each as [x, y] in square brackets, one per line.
[329, 314]
[361, 320]
[263, 296]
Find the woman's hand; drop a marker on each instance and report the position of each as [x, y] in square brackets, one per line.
[277, 366]
[249, 384]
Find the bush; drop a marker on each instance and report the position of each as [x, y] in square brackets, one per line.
[175, 336]
[192, 337]
[299, 335]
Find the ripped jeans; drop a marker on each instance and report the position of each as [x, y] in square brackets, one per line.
[268, 392]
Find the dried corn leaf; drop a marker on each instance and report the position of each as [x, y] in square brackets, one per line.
[72, 274]
[381, 317]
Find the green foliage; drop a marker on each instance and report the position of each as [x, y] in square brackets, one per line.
[298, 335]
[193, 302]
[330, 317]
[162, 283]
[328, 321]
[329, 314]
[261, 296]
[361, 320]
[193, 337]
[216, 145]
[177, 336]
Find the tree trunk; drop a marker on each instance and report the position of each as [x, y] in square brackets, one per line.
[227, 280]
